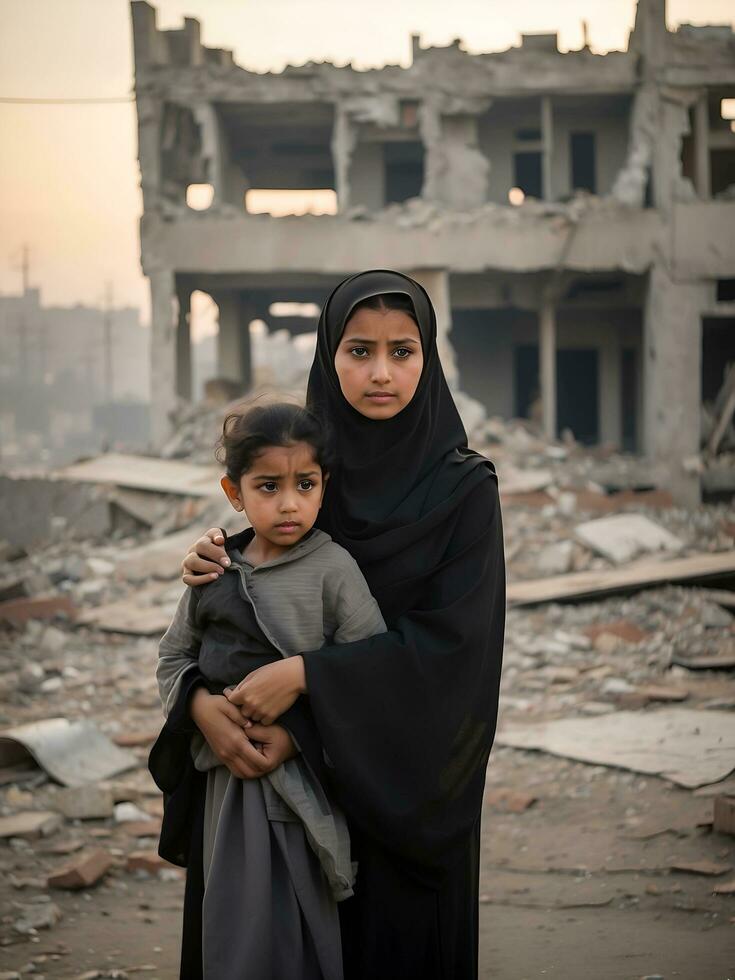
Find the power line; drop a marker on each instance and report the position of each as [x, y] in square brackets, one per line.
[9, 100]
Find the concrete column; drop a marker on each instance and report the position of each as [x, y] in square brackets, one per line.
[229, 338]
[150, 115]
[547, 366]
[233, 339]
[183, 343]
[163, 354]
[610, 389]
[344, 139]
[247, 315]
[672, 354]
[436, 284]
[701, 149]
[547, 139]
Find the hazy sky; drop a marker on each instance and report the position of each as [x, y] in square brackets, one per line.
[69, 174]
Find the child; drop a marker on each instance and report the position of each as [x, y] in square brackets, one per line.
[276, 849]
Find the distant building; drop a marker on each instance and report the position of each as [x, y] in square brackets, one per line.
[60, 395]
[572, 215]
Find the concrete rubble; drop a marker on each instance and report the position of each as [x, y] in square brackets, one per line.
[614, 661]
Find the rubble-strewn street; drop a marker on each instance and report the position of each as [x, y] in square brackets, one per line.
[622, 845]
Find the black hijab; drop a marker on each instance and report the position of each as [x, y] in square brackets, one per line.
[408, 717]
[389, 472]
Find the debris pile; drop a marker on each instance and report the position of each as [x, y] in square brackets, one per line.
[598, 695]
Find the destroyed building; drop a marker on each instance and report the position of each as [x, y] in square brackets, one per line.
[572, 216]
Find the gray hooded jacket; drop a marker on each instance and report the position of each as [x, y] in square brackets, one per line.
[311, 595]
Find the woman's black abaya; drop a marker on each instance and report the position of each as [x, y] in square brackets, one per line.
[407, 718]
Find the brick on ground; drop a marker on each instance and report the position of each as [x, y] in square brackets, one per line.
[30, 824]
[149, 861]
[83, 872]
[724, 815]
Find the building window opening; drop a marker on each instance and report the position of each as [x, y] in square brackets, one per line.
[528, 135]
[584, 163]
[727, 111]
[294, 309]
[404, 170]
[726, 290]
[280, 203]
[722, 147]
[527, 173]
[199, 197]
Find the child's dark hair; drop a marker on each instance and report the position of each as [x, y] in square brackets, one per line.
[247, 433]
[386, 301]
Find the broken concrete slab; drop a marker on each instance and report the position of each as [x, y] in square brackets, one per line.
[83, 872]
[583, 585]
[39, 510]
[129, 616]
[513, 481]
[160, 559]
[73, 753]
[30, 824]
[146, 473]
[725, 888]
[622, 537]
[689, 747]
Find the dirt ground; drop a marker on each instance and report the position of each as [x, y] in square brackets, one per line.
[564, 891]
[581, 864]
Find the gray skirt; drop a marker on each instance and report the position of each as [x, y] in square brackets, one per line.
[268, 911]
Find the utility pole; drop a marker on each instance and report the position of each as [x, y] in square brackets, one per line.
[108, 343]
[25, 266]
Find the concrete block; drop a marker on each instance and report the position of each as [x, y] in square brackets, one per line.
[88, 802]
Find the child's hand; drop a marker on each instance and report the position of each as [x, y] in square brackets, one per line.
[270, 690]
[222, 726]
[275, 743]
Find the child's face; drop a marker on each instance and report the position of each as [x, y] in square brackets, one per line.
[379, 362]
[281, 493]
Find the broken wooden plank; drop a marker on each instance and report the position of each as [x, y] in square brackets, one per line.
[19, 611]
[723, 661]
[581, 585]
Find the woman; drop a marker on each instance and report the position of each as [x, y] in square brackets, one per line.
[406, 719]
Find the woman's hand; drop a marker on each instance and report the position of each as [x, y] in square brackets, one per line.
[206, 559]
[270, 690]
[222, 724]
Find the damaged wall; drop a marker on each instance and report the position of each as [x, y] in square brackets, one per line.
[618, 157]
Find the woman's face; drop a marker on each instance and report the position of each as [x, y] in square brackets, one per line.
[379, 362]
